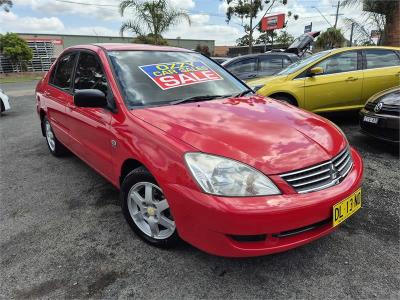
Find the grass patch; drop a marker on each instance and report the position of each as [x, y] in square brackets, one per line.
[14, 79]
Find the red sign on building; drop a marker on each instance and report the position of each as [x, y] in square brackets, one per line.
[273, 22]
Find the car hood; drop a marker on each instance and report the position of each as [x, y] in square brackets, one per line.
[271, 136]
[264, 80]
[389, 97]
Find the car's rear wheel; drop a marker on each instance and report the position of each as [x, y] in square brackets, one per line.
[55, 147]
[147, 210]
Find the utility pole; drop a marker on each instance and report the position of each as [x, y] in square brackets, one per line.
[337, 14]
[351, 34]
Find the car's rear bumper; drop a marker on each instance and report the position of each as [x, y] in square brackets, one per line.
[386, 129]
[224, 226]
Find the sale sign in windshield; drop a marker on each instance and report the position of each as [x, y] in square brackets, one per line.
[173, 75]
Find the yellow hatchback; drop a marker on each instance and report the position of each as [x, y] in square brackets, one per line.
[334, 80]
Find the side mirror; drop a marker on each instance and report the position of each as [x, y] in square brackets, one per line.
[90, 98]
[316, 71]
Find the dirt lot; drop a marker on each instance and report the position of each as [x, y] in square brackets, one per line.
[62, 234]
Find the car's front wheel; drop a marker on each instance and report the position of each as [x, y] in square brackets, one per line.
[55, 147]
[147, 210]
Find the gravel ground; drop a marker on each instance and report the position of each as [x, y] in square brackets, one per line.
[62, 234]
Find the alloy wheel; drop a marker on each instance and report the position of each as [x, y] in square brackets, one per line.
[150, 211]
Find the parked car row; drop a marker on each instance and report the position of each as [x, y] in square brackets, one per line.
[198, 156]
[334, 80]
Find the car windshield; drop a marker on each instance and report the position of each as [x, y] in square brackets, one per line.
[298, 65]
[153, 78]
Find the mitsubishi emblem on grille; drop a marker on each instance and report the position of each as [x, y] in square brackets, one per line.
[334, 172]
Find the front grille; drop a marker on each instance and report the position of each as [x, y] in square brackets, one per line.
[321, 176]
[386, 108]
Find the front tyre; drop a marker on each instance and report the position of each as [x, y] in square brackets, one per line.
[146, 210]
[55, 147]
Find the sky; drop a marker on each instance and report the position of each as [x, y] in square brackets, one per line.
[101, 17]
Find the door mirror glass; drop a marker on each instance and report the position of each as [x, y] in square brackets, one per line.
[90, 98]
[316, 71]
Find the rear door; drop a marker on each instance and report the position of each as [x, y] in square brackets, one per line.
[340, 85]
[58, 95]
[90, 127]
[245, 68]
[381, 71]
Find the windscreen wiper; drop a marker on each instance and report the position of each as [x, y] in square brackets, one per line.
[199, 98]
[245, 92]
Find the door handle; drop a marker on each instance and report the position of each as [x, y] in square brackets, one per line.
[397, 74]
[351, 78]
[252, 76]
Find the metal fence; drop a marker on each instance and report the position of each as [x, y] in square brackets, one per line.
[43, 57]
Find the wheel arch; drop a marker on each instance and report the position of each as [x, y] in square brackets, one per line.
[128, 166]
[286, 94]
[42, 114]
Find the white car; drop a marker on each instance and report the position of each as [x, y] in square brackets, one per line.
[4, 104]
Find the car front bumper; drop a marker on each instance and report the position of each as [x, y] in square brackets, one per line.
[386, 129]
[253, 226]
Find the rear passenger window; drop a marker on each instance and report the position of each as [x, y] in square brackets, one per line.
[247, 65]
[62, 73]
[89, 73]
[379, 58]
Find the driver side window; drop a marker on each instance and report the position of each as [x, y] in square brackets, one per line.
[342, 62]
[89, 73]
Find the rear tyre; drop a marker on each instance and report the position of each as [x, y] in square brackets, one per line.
[146, 210]
[285, 98]
[55, 147]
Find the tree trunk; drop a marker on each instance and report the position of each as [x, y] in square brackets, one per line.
[251, 36]
[392, 28]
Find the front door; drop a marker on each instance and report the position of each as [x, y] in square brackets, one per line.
[338, 87]
[90, 127]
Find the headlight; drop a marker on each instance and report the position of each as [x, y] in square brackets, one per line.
[257, 87]
[225, 177]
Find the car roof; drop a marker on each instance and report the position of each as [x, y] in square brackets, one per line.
[237, 58]
[128, 47]
[336, 50]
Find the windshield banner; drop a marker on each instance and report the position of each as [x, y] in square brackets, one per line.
[172, 75]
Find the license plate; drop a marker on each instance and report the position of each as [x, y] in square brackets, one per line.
[346, 207]
[370, 119]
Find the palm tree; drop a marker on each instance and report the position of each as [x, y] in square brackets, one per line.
[6, 4]
[152, 19]
[331, 38]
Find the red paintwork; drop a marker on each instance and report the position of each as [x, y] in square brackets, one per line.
[268, 135]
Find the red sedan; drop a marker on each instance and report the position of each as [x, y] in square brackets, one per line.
[195, 154]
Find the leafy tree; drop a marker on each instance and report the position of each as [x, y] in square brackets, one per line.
[152, 19]
[15, 48]
[284, 38]
[331, 38]
[6, 5]
[203, 50]
[267, 37]
[377, 14]
[247, 11]
[244, 41]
